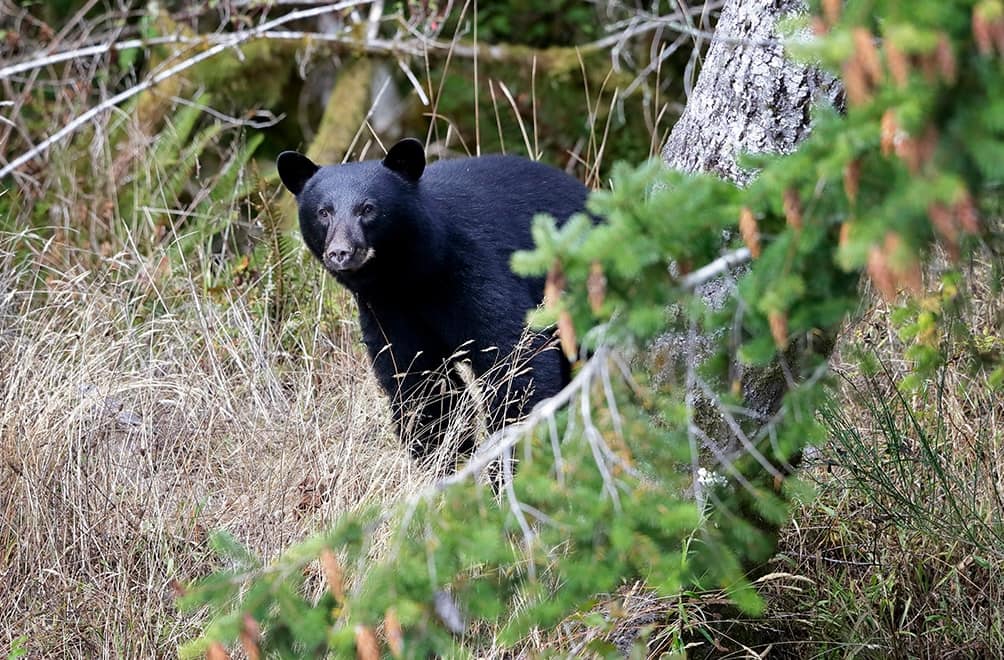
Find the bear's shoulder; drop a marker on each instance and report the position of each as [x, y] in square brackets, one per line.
[494, 167]
[514, 187]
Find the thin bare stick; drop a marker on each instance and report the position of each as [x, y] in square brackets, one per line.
[415, 84]
[737, 430]
[519, 119]
[664, 54]
[533, 109]
[232, 41]
[595, 440]
[615, 416]
[498, 118]
[373, 21]
[268, 118]
[517, 510]
[559, 464]
[724, 461]
[717, 267]
[477, 111]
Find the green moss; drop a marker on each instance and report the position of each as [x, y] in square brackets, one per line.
[344, 112]
[255, 78]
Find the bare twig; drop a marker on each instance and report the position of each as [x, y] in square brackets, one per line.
[559, 466]
[665, 53]
[595, 440]
[415, 84]
[717, 267]
[517, 510]
[608, 391]
[737, 430]
[265, 119]
[229, 42]
[418, 45]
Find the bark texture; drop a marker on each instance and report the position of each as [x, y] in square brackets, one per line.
[748, 98]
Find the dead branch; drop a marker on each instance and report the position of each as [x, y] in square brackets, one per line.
[229, 41]
[719, 266]
[418, 45]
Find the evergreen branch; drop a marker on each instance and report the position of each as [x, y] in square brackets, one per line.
[501, 442]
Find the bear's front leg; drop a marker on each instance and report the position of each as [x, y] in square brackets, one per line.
[518, 381]
[412, 370]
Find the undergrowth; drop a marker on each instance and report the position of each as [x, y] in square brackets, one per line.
[158, 384]
[172, 364]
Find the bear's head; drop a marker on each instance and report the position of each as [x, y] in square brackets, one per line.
[359, 218]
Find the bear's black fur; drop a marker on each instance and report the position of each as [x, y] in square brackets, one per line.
[426, 252]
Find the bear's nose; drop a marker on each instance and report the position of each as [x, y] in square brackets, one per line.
[338, 256]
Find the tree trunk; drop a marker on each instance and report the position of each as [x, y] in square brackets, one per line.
[749, 98]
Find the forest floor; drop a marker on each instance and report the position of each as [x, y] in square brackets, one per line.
[126, 436]
[143, 406]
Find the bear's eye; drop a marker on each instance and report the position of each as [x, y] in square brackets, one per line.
[367, 209]
[324, 214]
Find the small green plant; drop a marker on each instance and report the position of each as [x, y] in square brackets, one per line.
[909, 467]
[900, 553]
[18, 648]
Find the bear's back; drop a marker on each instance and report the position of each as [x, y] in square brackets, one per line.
[492, 199]
[499, 177]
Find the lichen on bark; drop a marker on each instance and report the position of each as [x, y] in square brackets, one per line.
[750, 97]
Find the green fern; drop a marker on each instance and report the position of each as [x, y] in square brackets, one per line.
[281, 252]
[185, 164]
[161, 181]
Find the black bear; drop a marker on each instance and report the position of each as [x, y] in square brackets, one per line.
[426, 253]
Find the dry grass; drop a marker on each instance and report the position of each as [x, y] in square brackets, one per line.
[904, 544]
[126, 436]
[138, 413]
[142, 408]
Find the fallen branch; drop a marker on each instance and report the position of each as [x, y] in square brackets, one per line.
[418, 45]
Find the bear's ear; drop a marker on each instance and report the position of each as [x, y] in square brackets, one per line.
[295, 170]
[407, 158]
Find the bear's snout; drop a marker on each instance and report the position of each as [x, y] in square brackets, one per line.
[344, 258]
